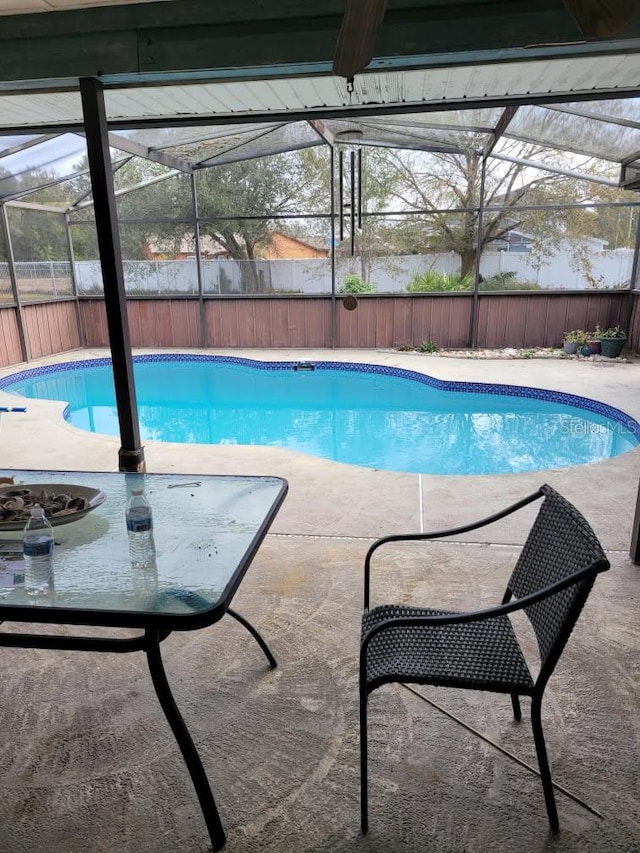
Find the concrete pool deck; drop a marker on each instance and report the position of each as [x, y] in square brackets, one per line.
[88, 763]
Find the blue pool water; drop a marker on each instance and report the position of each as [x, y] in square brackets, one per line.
[367, 415]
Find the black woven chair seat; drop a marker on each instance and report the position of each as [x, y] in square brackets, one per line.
[478, 655]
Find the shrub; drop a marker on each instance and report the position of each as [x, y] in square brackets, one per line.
[433, 282]
[354, 284]
[428, 346]
[506, 280]
[577, 336]
[614, 332]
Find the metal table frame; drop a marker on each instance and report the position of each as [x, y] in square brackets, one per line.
[157, 627]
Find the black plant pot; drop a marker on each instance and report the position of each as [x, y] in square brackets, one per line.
[612, 347]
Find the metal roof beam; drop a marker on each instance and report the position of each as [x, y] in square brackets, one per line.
[30, 205]
[607, 119]
[325, 133]
[569, 173]
[630, 158]
[559, 146]
[130, 146]
[501, 125]
[130, 189]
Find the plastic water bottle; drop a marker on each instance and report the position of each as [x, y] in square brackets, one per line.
[142, 548]
[37, 549]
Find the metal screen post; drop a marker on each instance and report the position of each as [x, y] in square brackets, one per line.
[74, 284]
[131, 453]
[332, 232]
[340, 192]
[352, 211]
[473, 333]
[196, 235]
[634, 550]
[633, 284]
[24, 341]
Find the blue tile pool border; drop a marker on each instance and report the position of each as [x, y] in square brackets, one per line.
[584, 403]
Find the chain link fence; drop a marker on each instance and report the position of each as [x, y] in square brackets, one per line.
[37, 280]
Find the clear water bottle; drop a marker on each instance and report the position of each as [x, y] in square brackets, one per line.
[37, 549]
[142, 548]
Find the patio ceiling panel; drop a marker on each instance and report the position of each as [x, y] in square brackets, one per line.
[181, 138]
[222, 98]
[35, 110]
[625, 112]
[59, 156]
[430, 87]
[480, 121]
[228, 138]
[272, 140]
[574, 133]
[370, 132]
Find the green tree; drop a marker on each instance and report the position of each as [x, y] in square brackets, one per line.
[445, 188]
[237, 205]
[36, 235]
[373, 238]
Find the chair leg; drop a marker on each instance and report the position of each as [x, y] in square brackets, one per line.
[515, 701]
[364, 805]
[543, 762]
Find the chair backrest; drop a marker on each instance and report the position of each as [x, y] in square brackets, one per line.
[560, 543]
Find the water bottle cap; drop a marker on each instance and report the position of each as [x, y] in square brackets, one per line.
[37, 511]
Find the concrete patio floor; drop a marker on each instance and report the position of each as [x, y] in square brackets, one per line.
[88, 763]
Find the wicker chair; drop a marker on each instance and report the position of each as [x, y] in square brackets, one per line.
[479, 650]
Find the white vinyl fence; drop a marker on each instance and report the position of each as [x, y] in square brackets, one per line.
[388, 274]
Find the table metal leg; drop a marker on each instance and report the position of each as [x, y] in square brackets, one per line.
[184, 740]
[256, 635]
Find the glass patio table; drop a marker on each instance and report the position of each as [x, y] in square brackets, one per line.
[207, 530]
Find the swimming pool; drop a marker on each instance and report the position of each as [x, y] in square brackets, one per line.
[362, 414]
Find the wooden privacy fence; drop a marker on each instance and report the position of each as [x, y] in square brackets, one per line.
[526, 319]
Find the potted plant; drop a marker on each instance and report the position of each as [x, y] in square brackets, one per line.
[612, 341]
[573, 340]
[593, 339]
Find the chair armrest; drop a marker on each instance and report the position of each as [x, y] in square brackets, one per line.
[439, 534]
[488, 613]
